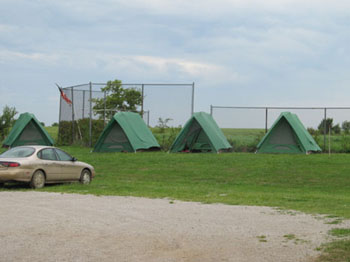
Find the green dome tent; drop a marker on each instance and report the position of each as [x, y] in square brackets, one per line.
[27, 131]
[200, 134]
[126, 132]
[288, 135]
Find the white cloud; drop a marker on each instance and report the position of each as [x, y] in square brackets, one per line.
[12, 56]
[111, 63]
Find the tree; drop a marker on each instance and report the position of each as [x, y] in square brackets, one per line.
[346, 127]
[329, 124]
[7, 119]
[117, 99]
[312, 131]
[336, 129]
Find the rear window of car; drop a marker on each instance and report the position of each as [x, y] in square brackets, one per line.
[18, 152]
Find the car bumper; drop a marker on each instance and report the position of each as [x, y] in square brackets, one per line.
[9, 174]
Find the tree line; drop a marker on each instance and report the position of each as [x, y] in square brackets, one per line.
[330, 127]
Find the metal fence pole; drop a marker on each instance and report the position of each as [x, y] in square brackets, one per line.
[142, 97]
[73, 133]
[59, 120]
[90, 122]
[324, 129]
[266, 118]
[83, 104]
[211, 110]
[192, 104]
[148, 118]
[104, 111]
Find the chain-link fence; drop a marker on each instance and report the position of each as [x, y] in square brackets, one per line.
[261, 118]
[80, 122]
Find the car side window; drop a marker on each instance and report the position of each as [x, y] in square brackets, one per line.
[63, 156]
[47, 154]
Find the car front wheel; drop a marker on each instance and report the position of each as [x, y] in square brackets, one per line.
[85, 177]
[38, 180]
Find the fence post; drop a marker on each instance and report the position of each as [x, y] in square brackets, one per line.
[324, 129]
[266, 118]
[104, 111]
[211, 110]
[83, 104]
[73, 131]
[59, 120]
[90, 122]
[148, 118]
[142, 96]
[192, 103]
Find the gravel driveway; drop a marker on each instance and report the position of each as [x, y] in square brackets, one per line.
[39, 226]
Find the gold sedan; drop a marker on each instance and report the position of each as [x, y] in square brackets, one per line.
[38, 165]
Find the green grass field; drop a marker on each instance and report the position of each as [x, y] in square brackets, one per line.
[312, 184]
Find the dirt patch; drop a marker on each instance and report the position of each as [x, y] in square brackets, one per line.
[38, 226]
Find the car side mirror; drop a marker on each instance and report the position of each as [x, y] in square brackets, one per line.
[74, 159]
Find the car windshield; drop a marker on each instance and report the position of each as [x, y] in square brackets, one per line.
[18, 152]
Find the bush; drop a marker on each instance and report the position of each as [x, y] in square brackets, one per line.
[346, 127]
[166, 136]
[7, 120]
[81, 132]
[313, 131]
[240, 145]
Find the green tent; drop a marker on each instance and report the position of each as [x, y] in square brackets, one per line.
[126, 132]
[200, 134]
[27, 131]
[288, 135]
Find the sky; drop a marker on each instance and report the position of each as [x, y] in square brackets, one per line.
[237, 52]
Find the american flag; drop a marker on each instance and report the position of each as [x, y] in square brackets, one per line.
[64, 96]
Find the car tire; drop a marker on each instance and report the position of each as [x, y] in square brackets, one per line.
[38, 180]
[85, 177]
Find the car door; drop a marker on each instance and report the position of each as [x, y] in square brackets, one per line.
[50, 164]
[70, 170]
